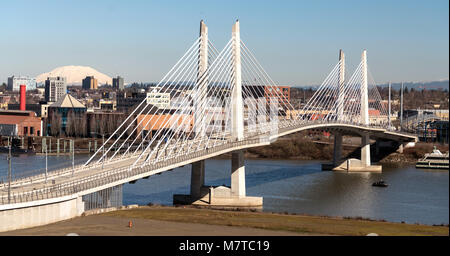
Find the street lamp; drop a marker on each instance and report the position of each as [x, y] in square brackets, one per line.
[9, 170]
[103, 147]
[73, 156]
[46, 163]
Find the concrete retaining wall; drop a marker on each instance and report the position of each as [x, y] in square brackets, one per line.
[38, 215]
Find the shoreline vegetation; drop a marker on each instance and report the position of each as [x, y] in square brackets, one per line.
[302, 146]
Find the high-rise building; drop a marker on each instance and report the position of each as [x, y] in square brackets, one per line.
[118, 83]
[90, 83]
[55, 88]
[15, 82]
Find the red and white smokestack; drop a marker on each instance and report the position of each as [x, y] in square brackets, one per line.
[23, 97]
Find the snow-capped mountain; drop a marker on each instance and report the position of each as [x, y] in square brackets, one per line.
[75, 74]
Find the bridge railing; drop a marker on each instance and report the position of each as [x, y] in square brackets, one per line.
[285, 125]
[117, 175]
[152, 167]
[39, 174]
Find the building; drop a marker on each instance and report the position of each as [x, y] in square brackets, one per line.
[15, 82]
[90, 83]
[126, 102]
[164, 121]
[62, 109]
[44, 108]
[19, 123]
[29, 107]
[280, 93]
[118, 83]
[99, 122]
[55, 88]
[4, 100]
[109, 105]
[158, 99]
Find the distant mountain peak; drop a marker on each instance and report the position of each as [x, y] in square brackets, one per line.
[75, 74]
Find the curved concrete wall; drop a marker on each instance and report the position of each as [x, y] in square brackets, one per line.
[38, 215]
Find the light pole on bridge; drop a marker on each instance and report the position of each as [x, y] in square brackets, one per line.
[46, 163]
[9, 170]
[103, 147]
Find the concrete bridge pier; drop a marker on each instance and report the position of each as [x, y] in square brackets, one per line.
[237, 174]
[337, 152]
[360, 165]
[220, 196]
[197, 178]
[365, 149]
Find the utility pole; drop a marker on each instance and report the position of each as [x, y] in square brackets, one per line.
[103, 149]
[73, 157]
[9, 171]
[46, 163]
[389, 107]
[401, 107]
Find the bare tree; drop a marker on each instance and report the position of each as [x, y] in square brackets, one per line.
[92, 124]
[81, 126]
[101, 125]
[70, 123]
[110, 124]
[55, 123]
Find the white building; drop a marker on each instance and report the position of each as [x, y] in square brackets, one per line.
[15, 82]
[158, 99]
[55, 88]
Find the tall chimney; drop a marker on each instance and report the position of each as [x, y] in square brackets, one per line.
[23, 97]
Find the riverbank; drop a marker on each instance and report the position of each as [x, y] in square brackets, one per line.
[302, 146]
[176, 221]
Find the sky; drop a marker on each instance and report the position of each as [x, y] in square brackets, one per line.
[297, 42]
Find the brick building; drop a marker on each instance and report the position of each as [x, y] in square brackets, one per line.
[282, 93]
[20, 123]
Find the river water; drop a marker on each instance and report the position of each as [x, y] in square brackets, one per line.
[413, 195]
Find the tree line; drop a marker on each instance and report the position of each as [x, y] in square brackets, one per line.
[86, 124]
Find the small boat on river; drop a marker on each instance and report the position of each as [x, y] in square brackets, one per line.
[380, 183]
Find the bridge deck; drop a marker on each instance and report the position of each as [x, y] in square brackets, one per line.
[85, 180]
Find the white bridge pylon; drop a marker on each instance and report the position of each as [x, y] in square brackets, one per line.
[349, 101]
[218, 97]
[210, 93]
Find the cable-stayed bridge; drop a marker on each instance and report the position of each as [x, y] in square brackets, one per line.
[220, 102]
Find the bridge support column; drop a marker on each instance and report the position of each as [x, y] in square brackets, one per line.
[400, 148]
[365, 149]
[237, 174]
[197, 178]
[220, 196]
[337, 153]
[352, 164]
[43, 145]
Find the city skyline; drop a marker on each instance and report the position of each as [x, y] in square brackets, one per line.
[297, 43]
